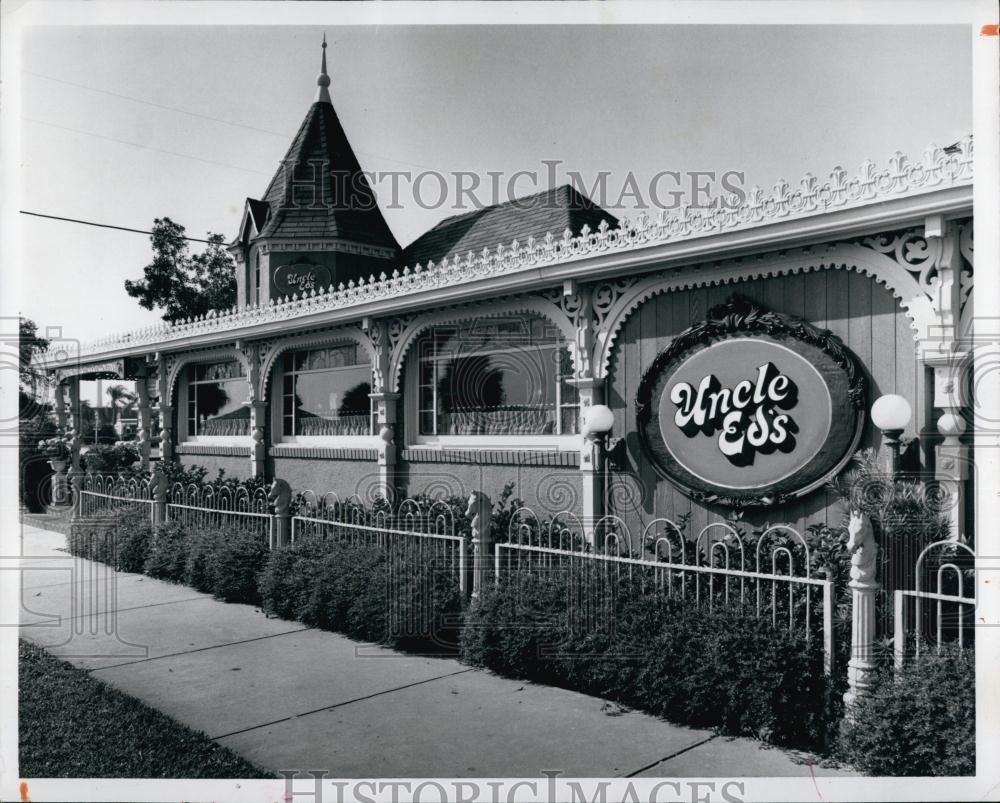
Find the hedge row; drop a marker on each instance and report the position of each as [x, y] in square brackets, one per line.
[223, 561]
[723, 668]
[365, 592]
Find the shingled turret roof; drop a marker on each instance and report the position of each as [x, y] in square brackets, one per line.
[319, 190]
[535, 216]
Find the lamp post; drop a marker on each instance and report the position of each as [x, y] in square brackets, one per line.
[891, 413]
[597, 422]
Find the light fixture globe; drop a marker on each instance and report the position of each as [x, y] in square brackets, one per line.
[891, 413]
[598, 420]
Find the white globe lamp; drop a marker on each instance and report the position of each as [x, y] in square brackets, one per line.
[891, 414]
[598, 421]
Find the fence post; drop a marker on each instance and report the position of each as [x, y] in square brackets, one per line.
[158, 493]
[479, 513]
[76, 481]
[899, 630]
[280, 495]
[864, 586]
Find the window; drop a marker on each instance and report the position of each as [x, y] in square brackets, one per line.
[256, 280]
[503, 376]
[215, 396]
[326, 392]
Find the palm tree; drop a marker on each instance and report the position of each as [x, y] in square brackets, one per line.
[122, 399]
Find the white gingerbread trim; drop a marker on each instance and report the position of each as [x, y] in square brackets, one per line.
[912, 299]
[870, 187]
[338, 336]
[210, 355]
[535, 304]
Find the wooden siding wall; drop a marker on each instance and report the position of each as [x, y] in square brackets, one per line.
[854, 307]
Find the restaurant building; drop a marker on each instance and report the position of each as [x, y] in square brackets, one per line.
[739, 348]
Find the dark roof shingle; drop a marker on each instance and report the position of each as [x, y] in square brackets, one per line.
[339, 204]
[532, 216]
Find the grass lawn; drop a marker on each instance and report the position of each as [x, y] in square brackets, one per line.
[74, 726]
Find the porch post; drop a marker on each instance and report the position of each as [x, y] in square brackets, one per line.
[144, 411]
[164, 410]
[59, 484]
[951, 455]
[258, 449]
[385, 420]
[592, 463]
[59, 402]
[941, 352]
[258, 407]
[75, 472]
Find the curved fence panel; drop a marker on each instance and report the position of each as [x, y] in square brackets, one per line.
[771, 577]
[104, 494]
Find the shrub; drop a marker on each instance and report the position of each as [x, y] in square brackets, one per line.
[235, 558]
[134, 532]
[722, 668]
[167, 556]
[366, 592]
[919, 721]
[200, 554]
[286, 581]
[225, 562]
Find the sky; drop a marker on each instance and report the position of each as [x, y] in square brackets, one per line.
[122, 125]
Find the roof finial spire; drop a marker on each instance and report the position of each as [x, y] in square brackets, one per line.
[323, 80]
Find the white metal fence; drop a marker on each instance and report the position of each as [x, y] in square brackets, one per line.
[418, 530]
[206, 507]
[771, 577]
[950, 615]
[102, 494]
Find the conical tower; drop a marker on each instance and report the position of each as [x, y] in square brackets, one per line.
[318, 222]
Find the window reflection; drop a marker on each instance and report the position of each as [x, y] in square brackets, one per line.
[216, 392]
[326, 392]
[506, 376]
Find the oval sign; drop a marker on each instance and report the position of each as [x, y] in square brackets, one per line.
[300, 278]
[751, 407]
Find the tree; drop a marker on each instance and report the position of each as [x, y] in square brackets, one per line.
[180, 284]
[122, 400]
[30, 345]
[36, 422]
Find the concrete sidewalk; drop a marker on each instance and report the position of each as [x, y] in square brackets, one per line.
[290, 697]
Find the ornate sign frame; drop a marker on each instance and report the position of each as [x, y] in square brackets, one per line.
[740, 317]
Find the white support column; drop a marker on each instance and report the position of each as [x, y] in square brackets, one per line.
[941, 351]
[75, 471]
[164, 410]
[258, 449]
[59, 400]
[59, 484]
[386, 409]
[145, 414]
[592, 463]
[951, 456]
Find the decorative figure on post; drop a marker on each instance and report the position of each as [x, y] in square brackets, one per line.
[479, 512]
[75, 474]
[158, 484]
[863, 550]
[280, 496]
